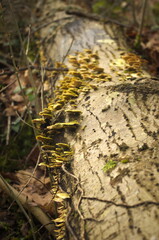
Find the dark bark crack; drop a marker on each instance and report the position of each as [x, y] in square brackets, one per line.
[97, 120]
[145, 203]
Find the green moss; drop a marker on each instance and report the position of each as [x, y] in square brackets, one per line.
[109, 165]
[125, 160]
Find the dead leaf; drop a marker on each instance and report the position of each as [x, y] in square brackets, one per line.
[37, 190]
[17, 98]
[10, 111]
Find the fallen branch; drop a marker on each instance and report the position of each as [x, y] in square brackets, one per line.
[28, 205]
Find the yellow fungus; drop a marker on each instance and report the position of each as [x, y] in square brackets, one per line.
[63, 145]
[47, 147]
[45, 115]
[93, 86]
[72, 101]
[98, 69]
[93, 55]
[59, 149]
[63, 195]
[71, 124]
[63, 125]
[103, 75]
[57, 106]
[70, 94]
[68, 153]
[74, 105]
[50, 165]
[56, 126]
[43, 138]
[92, 65]
[87, 50]
[84, 67]
[86, 59]
[74, 73]
[72, 57]
[38, 120]
[75, 90]
[59, 220]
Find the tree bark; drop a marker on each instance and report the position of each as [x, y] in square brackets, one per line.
[118, 129]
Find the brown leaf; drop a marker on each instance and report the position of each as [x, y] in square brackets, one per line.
[9, 111]
[17, 98]
[35, 190]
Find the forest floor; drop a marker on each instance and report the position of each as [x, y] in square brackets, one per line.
[20, 98]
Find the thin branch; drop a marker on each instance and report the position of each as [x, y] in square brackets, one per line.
[142, 18]
[134, 12]
[138, 37]
[30, 153]
[8, 130]
[25, 121]
[4, 88]
[32, 67]
[48, 23]
[94, 17]
[42, 86]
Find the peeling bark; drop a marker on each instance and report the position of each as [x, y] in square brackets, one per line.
[119, 123]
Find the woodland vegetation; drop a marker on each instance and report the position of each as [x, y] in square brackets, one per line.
[79, 98]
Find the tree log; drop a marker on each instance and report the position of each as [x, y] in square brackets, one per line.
[114, 180]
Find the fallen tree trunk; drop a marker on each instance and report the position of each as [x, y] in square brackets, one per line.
[113, 179]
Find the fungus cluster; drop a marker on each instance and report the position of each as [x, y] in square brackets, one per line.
[133, 62]
[52, 125]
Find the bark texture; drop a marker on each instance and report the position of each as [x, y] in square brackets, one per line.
[119, 125]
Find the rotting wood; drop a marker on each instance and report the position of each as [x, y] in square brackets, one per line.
[119, 122]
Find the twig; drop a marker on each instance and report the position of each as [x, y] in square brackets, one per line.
[69, 227]
[68, 49]
[4, 88]
[68, 173]
[17, 76]
[138, 36]
[8, 130]
[42, 86]
[30, 153]
[94, 17]
[79, 202]
[25, 121]
[28, 42]
[142, 18]
[134, 12]
[23, 202]
[32, 67]
[48, 23]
